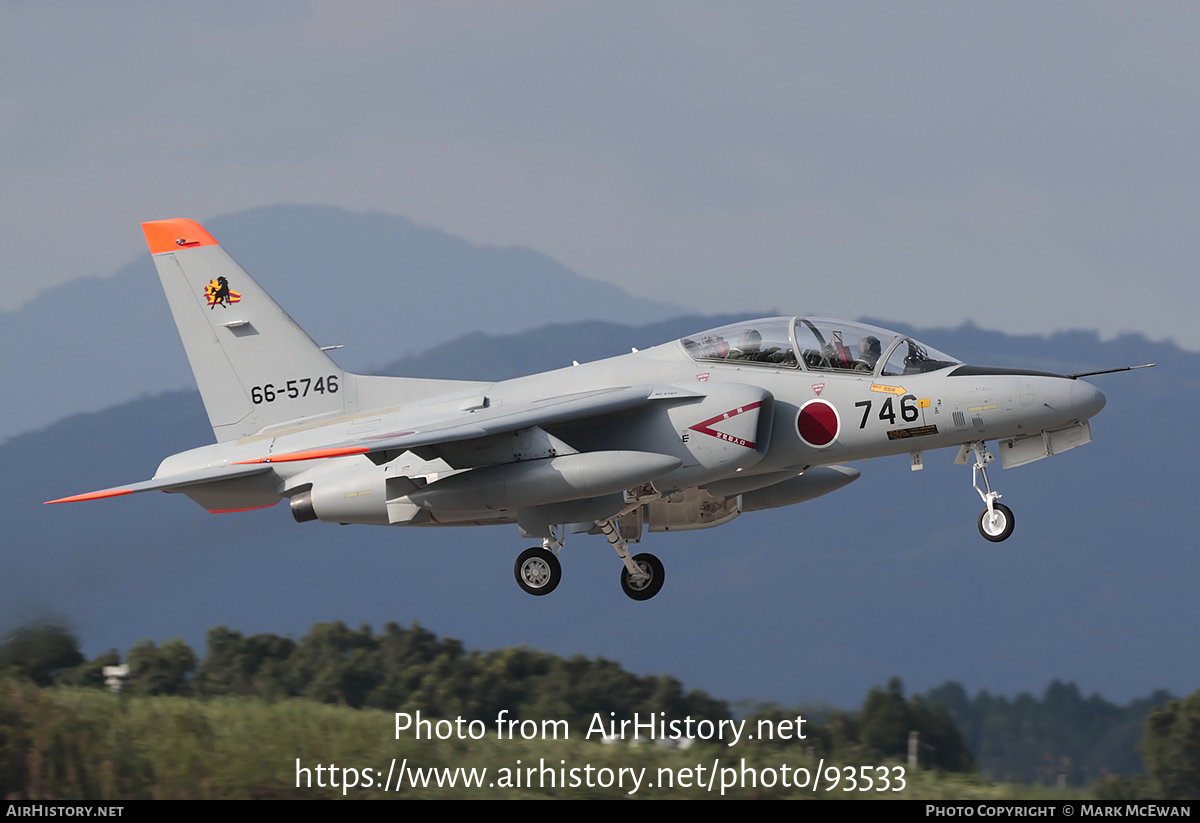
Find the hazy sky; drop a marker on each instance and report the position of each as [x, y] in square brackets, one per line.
[1029, 166]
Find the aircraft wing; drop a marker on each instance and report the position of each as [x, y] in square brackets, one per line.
[462, 424]
[499, 419]
[171, 482]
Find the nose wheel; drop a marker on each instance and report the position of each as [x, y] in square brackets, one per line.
[997, 523]
[996, 520]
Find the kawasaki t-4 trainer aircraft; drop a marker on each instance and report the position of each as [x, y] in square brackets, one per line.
[686, 435]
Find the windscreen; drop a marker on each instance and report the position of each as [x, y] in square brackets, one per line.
[841, 345]
[913, 357]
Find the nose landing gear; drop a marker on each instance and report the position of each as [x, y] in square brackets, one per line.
[996, 521]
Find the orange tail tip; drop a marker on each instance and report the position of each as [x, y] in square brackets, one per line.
[90, 496]
[173, 235]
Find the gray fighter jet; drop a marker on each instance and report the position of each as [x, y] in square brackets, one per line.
[686, 435]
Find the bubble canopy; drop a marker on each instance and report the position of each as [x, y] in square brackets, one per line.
[816, 344]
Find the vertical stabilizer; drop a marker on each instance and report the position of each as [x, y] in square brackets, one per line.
[254, 366]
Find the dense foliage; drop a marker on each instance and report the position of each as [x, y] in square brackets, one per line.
[1034, 740]
[886, 719]
[73, 743]
[410, 669]
[40, 651]
[1171, 747]
[402, 669]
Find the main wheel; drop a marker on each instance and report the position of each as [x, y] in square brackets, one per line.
[997, 526]
[537, 571]
[647, 587]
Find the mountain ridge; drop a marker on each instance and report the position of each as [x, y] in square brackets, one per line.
[377, 284]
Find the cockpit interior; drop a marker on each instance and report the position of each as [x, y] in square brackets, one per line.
[817, 344]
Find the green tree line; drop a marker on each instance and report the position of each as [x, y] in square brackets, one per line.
[409, 669]
[1062, 733]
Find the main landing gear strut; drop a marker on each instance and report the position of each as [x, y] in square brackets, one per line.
[538, 571]
[642, 577]
[996, 520]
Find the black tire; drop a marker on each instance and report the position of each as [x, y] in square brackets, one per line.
[652, 566]
[537, 571]
[1002, 528]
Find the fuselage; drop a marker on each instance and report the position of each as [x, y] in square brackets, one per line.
[732, 415]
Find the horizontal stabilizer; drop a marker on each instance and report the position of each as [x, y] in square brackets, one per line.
[171, 483]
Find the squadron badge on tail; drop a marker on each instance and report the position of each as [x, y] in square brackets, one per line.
[218, 292]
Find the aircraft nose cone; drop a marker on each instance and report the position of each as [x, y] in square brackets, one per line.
[1086, 400]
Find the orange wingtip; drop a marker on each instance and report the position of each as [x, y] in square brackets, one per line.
[314, 454]
[176, 234]
[89, 496]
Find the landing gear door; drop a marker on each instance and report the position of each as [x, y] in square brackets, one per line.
[1021, 450]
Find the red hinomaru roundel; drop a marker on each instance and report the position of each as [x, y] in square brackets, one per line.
[818, 423]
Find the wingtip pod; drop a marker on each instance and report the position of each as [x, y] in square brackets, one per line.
[175, 234]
